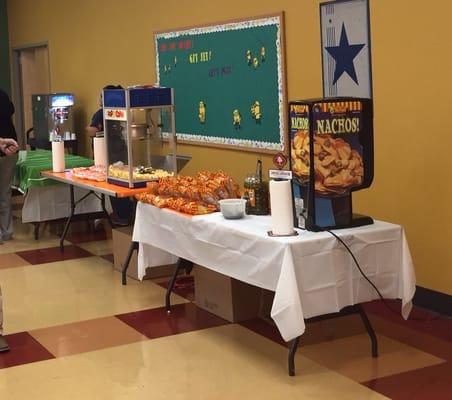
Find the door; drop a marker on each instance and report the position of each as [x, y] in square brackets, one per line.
[31, 75]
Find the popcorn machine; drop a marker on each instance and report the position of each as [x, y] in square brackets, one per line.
[331, 142]
[140, 134]
[52, 116]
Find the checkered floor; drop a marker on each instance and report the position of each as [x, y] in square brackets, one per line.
[76, 331]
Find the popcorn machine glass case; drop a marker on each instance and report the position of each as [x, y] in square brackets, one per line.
[134, 120]
[331, 157]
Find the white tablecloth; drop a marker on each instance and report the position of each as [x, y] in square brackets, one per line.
[53, 202]
[312, 274]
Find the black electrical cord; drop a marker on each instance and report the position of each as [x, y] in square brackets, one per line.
[373, 285]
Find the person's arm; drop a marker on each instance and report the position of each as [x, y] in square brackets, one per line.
[91, 131]
[8, 146]
[97, 123]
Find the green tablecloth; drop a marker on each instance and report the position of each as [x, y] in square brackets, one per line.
[28, 170]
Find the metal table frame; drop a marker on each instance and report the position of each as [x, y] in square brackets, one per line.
[94, 190]
[74, 205]
[186, 265]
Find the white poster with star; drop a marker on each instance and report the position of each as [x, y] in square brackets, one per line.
[346, 51]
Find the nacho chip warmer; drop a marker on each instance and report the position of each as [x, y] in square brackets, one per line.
[331, 144]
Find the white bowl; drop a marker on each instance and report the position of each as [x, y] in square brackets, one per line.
[233, 208]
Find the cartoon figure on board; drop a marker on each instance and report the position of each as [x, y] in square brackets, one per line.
[202, 112]
[236, 119]
[256, 111]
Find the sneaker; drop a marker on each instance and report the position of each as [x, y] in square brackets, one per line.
[3, 345]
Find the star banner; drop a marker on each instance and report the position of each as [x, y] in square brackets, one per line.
[346, 52]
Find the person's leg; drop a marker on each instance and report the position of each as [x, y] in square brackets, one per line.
[7, 170]
[3, 345]
[122, 210]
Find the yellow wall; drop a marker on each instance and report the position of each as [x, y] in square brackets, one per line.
[93, 43]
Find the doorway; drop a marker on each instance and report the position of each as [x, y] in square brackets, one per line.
[30, 75]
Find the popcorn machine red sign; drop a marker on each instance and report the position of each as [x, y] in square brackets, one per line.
[115, 114]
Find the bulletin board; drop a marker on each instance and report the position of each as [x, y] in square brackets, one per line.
[229, 82]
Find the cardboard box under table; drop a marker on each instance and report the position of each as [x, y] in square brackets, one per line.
[121, 243]
[226, 297]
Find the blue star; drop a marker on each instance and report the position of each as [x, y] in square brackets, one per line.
[344, 54]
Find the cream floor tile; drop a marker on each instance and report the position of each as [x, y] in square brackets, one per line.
[23, 237]
[17, 244]
[228, 362]
[351, 357]
[75, 290]
[23, 231]
[98, 247]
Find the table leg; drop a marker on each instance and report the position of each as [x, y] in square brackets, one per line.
[134, 211]
[68, 222]
[356, 309]
[291, 358]
[133, 246]
[102, 202]
[188, 267]
[370, 330]
[181, 264]
[36, 230]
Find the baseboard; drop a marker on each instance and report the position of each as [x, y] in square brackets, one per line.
[432, 300]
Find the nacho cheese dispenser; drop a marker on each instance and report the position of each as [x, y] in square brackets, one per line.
[331, 145]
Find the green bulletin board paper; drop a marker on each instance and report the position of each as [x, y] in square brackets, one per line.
[218, 69]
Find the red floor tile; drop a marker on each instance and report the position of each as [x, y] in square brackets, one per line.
[24, 349]
[83, 336]
[433, 382]
[53, 254]
[316, 331]
[11, 260]
[420, 319]
[412, 337]
[184, 287]
[156, 322]
[345, 326]
[82, 237]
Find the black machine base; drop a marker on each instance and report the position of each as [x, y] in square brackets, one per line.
[356, 220]
[123, 183]
[360, 220]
